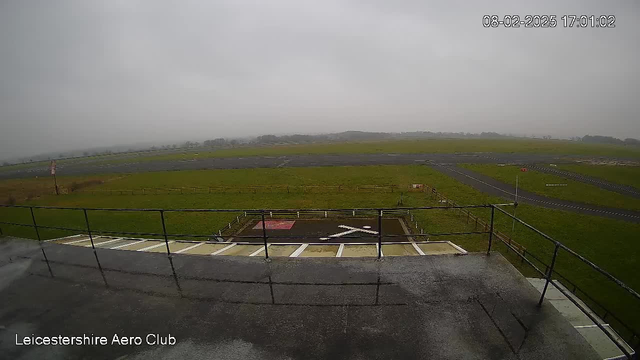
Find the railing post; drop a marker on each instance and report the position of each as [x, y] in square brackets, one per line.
[35, 226]
[264, 236]
[379, 234]
[549, 273]
[164, 232]
[86, 220]
[95, 253]
[493, 210]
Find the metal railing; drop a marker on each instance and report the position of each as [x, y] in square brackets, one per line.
[253, 189]
[377, 213]
[633, 340]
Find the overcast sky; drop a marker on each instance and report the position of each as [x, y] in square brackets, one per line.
[77, 74]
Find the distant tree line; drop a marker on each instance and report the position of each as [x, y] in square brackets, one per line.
[346, 136]
[597, 139]
[363, 135]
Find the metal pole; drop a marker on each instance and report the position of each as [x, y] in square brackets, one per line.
[86, 219]
[35, 226]
[164, 231]
[55, 183]
[264, 237]
[493, 210]
[379, 234]
[95, 253]
[549, 273]
[513, 226]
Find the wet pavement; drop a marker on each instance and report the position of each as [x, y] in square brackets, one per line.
[227, 307]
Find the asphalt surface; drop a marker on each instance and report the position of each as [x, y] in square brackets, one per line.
[495, 187]
[88, 168]
[603, 184]
[427, 307]
[325, 231]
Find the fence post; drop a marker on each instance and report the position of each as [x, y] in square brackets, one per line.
[264, 236]
[86, 220]
[35, 226]
[164, 232]
[95, 253]
[379, 234]
[493, 210]
[549, 273]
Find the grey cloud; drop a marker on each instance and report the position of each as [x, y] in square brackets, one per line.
[75, 74]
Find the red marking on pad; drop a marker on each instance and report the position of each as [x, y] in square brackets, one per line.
[275, 225]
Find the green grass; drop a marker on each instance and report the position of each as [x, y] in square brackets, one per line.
[536, 146]
[574, 191]
[406, 146]
[624, 175]
[609, 243]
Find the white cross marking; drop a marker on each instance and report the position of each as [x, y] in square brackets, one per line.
[350, 231]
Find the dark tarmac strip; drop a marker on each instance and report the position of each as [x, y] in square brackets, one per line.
[494, 187]
[440, 307]
[253, 162]
[602, 184]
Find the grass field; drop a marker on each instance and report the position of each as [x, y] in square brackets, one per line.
[409, 146]
[530, 146]
[609, 243]
[623, 175]
[574, 191]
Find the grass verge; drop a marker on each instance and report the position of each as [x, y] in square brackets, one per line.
[623, 175]
[574, 191]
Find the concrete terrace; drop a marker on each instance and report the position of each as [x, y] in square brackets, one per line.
[232, 307]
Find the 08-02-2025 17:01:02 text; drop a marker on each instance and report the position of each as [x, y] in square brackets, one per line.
[549, 21]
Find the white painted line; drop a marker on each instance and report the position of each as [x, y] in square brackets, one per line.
[357, 229]
[589, 326]
[462, 251]
[125, 245]
[343, 233]
[340, 250]
[154, 246]
[618, 357]
[415, 246]
[188, 248]
[223, 249]
[105, 242]
[259, 250]
[299, 250]
[75, 242]
[65, 237]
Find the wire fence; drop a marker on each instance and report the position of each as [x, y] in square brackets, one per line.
[251, 189]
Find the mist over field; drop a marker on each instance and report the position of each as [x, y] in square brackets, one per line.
[77, 74]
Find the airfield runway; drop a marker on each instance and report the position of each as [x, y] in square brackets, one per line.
[88, 168]
[495, 187]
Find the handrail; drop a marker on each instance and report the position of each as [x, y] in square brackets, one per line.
[247, 210]
[377, 212]
[572, 252]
